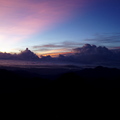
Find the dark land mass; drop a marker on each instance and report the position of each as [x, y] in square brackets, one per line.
[60, 93]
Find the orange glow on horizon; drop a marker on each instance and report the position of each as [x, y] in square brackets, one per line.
[54, 54]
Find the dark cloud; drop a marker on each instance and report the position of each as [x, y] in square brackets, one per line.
[23, 55]
[91, 49]
[47, 46]
[27, 55]
[93, 54]
[88, 53]
[6, 55]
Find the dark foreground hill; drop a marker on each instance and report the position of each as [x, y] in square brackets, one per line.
[88, 93]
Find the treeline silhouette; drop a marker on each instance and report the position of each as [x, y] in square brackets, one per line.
[88, 92]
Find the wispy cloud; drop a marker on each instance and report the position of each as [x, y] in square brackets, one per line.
[106, 38]
[65, 44]
[56, 48]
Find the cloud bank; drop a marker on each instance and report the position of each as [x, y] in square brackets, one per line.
[93, 54]
[87, 54]
[23, 55]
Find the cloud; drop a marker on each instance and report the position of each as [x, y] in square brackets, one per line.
[100, 39]
[55, 54]
[27, 55]
[115, 48]
[91, 49]
[106, 38]
[92, 54]
[56, 48]
[24, 55]
[65, 44]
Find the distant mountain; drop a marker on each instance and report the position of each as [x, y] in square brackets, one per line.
[92, 91]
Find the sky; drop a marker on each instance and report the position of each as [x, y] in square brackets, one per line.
[58, 26]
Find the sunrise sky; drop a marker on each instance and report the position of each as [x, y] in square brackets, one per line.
[58, 26]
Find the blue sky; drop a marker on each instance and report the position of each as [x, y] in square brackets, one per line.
[66, 24]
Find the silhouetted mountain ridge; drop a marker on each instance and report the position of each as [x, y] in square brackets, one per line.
[85, 89]
[95, 76]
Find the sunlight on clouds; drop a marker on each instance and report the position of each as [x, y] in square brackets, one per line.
[54, 53]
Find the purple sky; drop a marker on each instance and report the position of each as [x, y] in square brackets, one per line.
[57, 26]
